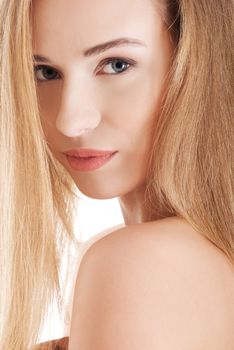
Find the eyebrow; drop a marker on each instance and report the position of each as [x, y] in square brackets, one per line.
[100, 48]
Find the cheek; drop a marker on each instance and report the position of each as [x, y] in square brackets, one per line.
[133, 103]
[49, 98]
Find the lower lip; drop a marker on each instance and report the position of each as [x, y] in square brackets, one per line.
[89, 163]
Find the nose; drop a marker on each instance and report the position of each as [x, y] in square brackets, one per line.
[77, 114]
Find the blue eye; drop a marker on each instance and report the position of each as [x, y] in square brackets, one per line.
[117, 65]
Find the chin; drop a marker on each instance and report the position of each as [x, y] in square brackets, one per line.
[106, 187]
[98, 193]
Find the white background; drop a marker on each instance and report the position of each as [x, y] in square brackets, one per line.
[94, 217]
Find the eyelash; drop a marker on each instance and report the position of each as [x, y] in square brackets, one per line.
[131, 63]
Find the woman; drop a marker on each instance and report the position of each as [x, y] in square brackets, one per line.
[160, 106]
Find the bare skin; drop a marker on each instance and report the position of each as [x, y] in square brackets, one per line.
[90, 105]
[86, 107]
[186, 278]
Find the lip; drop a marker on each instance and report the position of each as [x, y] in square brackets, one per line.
[88, 159]
[87, 152]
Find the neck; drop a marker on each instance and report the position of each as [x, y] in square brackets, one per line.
[133, 207]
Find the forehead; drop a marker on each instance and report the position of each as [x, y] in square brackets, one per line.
[89, 22]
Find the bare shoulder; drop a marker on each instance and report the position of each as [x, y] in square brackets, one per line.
[156, 285]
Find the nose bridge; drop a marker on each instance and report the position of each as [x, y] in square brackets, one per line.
[78, 111]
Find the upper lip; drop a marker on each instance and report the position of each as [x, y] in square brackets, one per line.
[85, 152]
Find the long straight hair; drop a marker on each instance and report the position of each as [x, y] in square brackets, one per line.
[190, 170]
[37, 197]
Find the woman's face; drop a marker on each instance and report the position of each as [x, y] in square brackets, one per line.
[106, 100]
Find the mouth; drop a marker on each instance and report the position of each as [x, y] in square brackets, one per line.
[87, 160]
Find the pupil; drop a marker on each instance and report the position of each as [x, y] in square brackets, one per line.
[49, 72]
[119, 65]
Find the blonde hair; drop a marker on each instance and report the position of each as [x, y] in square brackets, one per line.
[37, 196]
[191, 166]
[190, 169]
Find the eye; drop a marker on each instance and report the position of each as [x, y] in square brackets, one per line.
[45, 71]
[118, 65]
